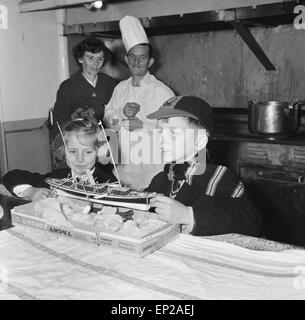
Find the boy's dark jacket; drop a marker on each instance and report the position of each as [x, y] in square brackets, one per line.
[218, 199]
[17, 177]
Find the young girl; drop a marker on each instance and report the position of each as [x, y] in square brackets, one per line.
[80, 152]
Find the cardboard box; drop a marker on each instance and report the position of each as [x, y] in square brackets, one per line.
[142, 246]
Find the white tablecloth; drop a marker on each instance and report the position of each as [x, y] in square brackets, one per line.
[35, 264]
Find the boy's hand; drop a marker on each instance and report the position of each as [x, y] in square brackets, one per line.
[35, 194]
[170, 210]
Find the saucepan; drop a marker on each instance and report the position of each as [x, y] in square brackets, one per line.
[274, 118]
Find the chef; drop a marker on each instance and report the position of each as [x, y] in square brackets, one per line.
[133, 99]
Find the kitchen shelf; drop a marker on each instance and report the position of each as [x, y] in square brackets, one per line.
[296, 140]
[266, 15]
[240, 18]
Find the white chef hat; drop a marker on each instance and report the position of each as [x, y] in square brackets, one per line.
[132, 31]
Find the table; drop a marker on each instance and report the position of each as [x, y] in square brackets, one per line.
[35, 264]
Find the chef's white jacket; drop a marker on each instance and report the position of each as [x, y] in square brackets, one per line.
[150, 95]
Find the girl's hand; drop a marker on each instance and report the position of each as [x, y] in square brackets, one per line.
[170, 210]
[35, 194]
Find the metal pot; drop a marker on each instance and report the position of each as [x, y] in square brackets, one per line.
[273, 118]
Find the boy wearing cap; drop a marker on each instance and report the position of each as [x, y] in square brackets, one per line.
[206, 199]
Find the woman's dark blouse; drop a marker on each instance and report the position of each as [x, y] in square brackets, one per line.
[76, 92]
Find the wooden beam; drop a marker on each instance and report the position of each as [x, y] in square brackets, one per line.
[26, 6]
[269, 15]
[253, 45]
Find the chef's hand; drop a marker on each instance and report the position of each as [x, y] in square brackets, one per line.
[131, 109]
[35, 194]
[170, 210]
[132, 124]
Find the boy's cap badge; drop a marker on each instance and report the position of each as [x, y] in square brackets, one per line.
[171, 102]
[186, 106]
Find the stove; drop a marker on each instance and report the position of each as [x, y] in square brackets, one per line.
[273, 171]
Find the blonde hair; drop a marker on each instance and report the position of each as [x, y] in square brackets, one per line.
[85, 129]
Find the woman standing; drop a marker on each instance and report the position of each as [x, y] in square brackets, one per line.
[88, 88]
